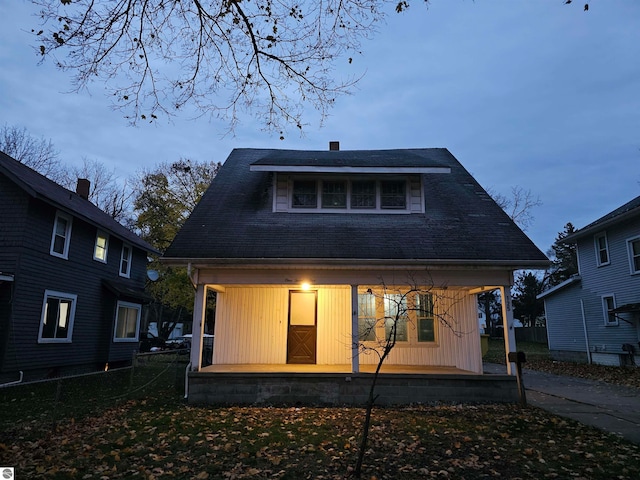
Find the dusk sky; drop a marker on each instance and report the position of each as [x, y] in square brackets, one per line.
[535, 94]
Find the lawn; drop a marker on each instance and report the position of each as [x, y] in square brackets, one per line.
[149, 432]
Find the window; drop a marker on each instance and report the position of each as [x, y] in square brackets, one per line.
[100, 250]
[125, 261]
[608, 304]
[424, 314]
[602, 249]
[58, 311]
[61, 236]
[127, 322]
[304, 194]
[366, 317]
[334, 194]
[395, 314]
[363, 194]
[634, 254]
[393, 194]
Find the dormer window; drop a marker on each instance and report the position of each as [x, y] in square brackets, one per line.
[393, 194]
[305, 194]
[363, 194]
[334, 194]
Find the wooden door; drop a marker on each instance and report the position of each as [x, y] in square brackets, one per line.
[301, 340]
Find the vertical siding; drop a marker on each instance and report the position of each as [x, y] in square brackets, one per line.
[251, 328]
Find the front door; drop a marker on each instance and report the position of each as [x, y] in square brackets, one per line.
[301, 341]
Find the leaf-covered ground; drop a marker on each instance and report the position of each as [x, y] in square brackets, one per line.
[153, 439]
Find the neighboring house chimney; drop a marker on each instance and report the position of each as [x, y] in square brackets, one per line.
[334, 146]
[82, 188]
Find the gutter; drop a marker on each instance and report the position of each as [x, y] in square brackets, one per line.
[15, 382]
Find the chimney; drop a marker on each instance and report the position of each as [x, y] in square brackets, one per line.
[82, 188]
[334, 146]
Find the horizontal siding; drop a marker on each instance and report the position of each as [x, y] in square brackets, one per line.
[251, 328]
[565, 327]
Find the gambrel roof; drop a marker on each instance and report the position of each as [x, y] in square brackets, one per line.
[235, 222]
[38, 186]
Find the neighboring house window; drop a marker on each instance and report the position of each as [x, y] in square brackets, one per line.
[363, 194]
[334, 194]
[125, 261]
[304, 194]
[608, 304]
[56, 323]
[393, 194]
[61, 236]
[602, 249]
[424, 314]
[127, 322]
[366, 317]
[395, 311]
[100, 250]
[634, 254]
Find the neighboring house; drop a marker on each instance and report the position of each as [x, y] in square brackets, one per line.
[298, 245]
[71, 279]
[595, 316]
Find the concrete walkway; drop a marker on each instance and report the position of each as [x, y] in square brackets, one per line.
[608, 407]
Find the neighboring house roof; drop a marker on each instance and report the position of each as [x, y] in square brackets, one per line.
[561, 286]
[620, 214]
[38, 186]
[234, 222]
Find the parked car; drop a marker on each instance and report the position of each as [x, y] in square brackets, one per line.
[150, 343]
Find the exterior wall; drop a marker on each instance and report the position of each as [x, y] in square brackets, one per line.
[251, 328]
[37, 271]
[564, 320]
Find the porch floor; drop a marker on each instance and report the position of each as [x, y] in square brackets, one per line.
[342, 369]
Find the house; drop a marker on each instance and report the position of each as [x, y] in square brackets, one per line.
[594, 316]
[306, 250]
[71, 279]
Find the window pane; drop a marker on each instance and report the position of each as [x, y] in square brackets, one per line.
[635, 252]
[125, 260]
[50, 318]
[609, 305]
[395, 314]
[101, 248]
[426, 326]
[304, 194]
[392, 194]
[363, 194]
[127, 322]
[366, 317]
[334, 194]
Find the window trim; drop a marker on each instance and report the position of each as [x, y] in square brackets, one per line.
[348, 208]
[100, 234]
[72, 313]
[431, 317]
[126, 274]
[605, 310]
[630, 242]
[598, 249]
[129, 305]
[67, 235]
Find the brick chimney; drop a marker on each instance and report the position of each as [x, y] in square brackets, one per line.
[82, 188]
[334, 146]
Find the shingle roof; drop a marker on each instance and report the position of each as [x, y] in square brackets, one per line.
[620, 214]
[462, 224]
[39, 186]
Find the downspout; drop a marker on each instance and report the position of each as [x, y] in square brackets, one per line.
[189, 274]
[586, 334]
[186, 381]
[15, 382]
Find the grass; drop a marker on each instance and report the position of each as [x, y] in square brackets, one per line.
[138, 426]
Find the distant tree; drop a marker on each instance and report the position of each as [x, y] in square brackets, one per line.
[564, 258]
[490, 304]
[518, 206]
[526, 307]
[106, 190]
[164, 199]
[37, 153]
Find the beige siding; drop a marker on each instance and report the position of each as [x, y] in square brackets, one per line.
[416, 204]
[281, 199]
[251, 328]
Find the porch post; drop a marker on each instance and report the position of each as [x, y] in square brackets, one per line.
[507, 323]
[198, 327]
[355, 340]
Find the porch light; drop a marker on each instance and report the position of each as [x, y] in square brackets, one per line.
[305, 286]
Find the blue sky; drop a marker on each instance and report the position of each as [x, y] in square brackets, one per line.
[535, 94]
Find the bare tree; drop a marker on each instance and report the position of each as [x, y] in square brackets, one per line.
[36, 153]
[519, 206]
[398, 305]
[219, 56]
[107, 191]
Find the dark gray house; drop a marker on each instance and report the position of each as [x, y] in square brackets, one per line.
[71, 279]
[306, 250]
[595, 315]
